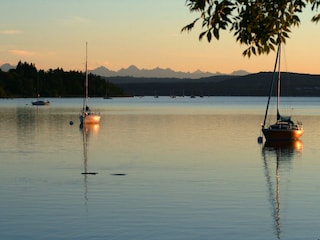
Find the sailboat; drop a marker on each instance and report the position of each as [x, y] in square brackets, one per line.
[284, 129]
[107, 96]
[86, 115]
[39, 102]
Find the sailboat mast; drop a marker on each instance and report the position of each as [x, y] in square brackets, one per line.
[85, 100]
[279, 85]
[86, 86]
[271, 86]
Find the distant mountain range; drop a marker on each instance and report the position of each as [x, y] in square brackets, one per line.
[133, 71]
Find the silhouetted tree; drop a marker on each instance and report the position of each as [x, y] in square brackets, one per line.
[259, 24]
[26, 81]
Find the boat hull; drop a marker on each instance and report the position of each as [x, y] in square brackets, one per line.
[282, 134]
[40, 103]
[90, 119]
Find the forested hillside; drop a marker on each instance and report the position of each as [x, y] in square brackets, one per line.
[257, 84]
[27, 81]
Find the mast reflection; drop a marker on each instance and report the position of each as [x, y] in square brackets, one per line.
[283, 153]
[86, 131]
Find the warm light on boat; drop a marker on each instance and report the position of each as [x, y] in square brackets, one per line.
[92, 128]
[95, 128]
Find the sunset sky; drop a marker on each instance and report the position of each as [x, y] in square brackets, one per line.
[144, 33]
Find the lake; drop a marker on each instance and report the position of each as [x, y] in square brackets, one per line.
[166, 168]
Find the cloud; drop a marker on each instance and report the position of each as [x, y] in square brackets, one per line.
[9, 32]
[21, 52]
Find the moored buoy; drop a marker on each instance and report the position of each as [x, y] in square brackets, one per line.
[260, 139]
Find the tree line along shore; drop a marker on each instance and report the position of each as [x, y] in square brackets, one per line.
[25, 81]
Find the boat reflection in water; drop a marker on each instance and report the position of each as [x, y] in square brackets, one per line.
[86, 131]
[278, 155]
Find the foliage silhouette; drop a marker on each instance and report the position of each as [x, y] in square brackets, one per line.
[27, 81]
[259, 24]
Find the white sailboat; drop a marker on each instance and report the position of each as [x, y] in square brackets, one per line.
[86, 115]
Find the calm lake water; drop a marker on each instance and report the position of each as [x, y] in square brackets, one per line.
[166, 169]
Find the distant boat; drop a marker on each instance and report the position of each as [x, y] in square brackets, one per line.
[40, 103]
[86, 115]
[156, 94]
[284, 129]
[107, 95]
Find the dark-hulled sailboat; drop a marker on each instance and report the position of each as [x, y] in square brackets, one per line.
[284, 129]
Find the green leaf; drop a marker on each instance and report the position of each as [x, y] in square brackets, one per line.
[316, 18]
[253, 50]
[209, 36]
[216, 33]
[202, 34]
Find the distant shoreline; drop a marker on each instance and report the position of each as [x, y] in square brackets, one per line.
[258, 84]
